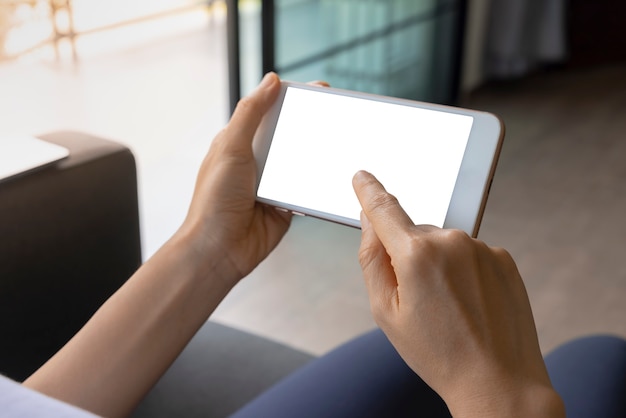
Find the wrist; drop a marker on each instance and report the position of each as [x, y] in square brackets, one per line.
[536, 400]
[206, 260]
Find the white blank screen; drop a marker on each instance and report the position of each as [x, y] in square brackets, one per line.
[321, 140]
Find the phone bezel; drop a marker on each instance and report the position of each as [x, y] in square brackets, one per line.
[472, 186]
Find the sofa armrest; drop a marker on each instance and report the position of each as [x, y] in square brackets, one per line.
[69, 237]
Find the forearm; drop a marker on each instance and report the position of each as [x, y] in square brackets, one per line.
[134, 337]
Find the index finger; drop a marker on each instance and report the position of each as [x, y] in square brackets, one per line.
[381, 208]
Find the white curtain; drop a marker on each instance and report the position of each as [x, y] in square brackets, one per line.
[523, 35]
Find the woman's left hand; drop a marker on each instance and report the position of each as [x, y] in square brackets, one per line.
[224, 221]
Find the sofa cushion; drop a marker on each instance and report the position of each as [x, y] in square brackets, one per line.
[220, 370]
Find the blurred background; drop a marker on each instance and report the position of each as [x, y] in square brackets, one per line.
[163, 76]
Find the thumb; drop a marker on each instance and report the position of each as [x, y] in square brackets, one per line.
[250, 111]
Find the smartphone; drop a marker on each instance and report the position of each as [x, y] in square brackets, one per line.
[437, 160]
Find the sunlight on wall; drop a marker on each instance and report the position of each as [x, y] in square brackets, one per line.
[24, 25]
[97, 26]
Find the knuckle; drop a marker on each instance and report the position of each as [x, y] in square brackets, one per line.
[505, 263]
[442, 240]
[220, 137]
[381, 201]
[457, 236]
[502, 254]
[421, 245]
[440, 245]
[247, 105]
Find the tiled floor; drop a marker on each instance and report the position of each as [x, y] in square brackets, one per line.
[557, 202]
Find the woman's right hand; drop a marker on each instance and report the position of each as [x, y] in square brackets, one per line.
[455, 309]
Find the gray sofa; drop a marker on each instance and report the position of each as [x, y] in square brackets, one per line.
[69, 237]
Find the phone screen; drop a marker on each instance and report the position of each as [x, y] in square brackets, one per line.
[321, 140]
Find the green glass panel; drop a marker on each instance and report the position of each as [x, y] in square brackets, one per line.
[402, 48]
[389, 47]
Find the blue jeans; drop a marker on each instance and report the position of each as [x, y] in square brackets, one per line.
[367, 378]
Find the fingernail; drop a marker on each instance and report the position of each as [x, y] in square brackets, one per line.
[361, 175]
